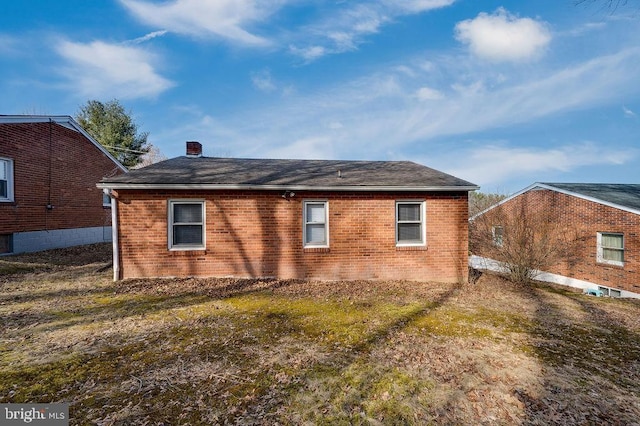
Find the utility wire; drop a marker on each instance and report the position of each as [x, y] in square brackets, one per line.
[125, 149]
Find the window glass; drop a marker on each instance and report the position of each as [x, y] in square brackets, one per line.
[408, 212]
[410, 223]
[187, 213]
[409, 232]
[315, 234]
[498, 235]
[5, 178]
[315, 213]
[315, 223]
[187, 234]
[611, 248]
[186, 225]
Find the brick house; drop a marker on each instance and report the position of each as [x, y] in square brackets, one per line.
[49, 167]
[603, 220]
[201, 216]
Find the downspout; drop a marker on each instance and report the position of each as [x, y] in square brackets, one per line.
[114, 234]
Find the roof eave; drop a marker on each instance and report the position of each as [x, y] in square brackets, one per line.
[382, 188]
[550, 187]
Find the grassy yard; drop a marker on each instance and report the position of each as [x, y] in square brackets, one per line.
[196, 351]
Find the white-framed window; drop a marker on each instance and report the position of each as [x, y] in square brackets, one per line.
[610, 248]
[6, 180]
[316, 223]
[106, 200]
[411, 223]
[186, 225]
[497, 233]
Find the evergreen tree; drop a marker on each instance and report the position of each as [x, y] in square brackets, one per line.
[114, 128]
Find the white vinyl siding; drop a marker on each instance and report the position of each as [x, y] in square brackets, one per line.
[410, 223]
[186, 225]
[6, 180]
[610, 248]
[316, 224]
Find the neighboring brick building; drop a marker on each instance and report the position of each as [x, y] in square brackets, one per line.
[198, 216]
[603, 219]
[49, 167]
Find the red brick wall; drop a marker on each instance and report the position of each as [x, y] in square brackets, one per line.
[259, 234]
[69, 175]
[585, 219]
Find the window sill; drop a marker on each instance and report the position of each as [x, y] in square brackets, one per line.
[316, 249]
[411, 248]
[187, 249]
[611, 264]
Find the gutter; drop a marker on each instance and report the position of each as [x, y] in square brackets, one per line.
[114, 235]
[362, 188]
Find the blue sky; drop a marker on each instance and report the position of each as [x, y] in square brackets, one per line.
[500, 93]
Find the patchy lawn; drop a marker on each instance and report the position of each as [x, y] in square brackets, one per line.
[205, 351]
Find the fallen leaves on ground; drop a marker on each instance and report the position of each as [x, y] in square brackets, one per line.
[267, 351]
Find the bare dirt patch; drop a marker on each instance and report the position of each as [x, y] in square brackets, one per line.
[232, 351]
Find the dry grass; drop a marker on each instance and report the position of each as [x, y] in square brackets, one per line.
[196, 351]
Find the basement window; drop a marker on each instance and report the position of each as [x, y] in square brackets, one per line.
[410, 223]
[610, 248]
[611, 292]
[186, 225]
[6, 180]
[6, 243]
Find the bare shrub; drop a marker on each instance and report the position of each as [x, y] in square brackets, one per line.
[480, 201]
[526, 235]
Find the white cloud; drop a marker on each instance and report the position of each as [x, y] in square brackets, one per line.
[584, 29]
[8, 44]
[416, 6]
[310, 53]
[476, 108]
[348, 28]
[262, 81]
[495, 163]
[373, 116]
[224, 19]
[469, 89]
[100, 69]
[408, 71]
[428, 94]
[305, 149]
[503, 37]
[147, 37]
[627, 112]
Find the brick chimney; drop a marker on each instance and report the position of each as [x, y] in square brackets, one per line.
[194, 149]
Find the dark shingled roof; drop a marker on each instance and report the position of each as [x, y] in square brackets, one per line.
[621, 194]
[254, 173]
